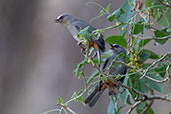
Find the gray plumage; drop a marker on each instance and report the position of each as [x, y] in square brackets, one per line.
[75, 25]
[115, 70]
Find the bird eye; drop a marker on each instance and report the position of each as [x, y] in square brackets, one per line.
[61, 17]
[116, 46]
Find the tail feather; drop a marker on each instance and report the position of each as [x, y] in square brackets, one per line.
[99, 57]
[93, 97]
[90, 97]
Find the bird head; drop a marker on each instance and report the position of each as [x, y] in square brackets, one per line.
[117, 49]
[64, 18]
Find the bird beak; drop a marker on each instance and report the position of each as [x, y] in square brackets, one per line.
[112, 47]
[57, 20]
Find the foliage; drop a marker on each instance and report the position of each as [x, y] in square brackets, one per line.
[133, 21]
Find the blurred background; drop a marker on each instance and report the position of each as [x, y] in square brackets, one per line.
[37, 56]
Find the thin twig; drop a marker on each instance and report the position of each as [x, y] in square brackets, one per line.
[164, 4]
[152, 38]
[167, 72]
[149, 104]
[156, 62]
[157, 81]
[133, 106]
[111, 27]
[146, 96]
[133, 90]
[95, 66]
[67, 108]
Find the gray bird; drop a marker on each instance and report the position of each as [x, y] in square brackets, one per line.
[75, 25]
[115, 70]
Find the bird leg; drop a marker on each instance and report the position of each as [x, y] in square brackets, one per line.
[83, 48]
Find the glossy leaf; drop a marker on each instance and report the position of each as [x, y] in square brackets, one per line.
[116, 40]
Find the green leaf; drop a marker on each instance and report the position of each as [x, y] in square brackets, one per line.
[125, 95]
[113, 107]
[165, 21]
[116, 14]
[138, 84]
[151, 84]
[144, 42]
[144, 56]
[81, 100]
[74, 95]
[59, 100]
[108, 7]
[101, 12]
[91, 78]
[161, 33]
[116, 40]
[161, 69]
[152, 54]
[127, 12]
[138, 28]
[79, 66]
[124, 18]
[137, 44]
[148, 3]
[149, 111]
[141, 106]
[84, 33]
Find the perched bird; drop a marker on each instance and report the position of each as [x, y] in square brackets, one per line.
[114, 70]
[75, 25]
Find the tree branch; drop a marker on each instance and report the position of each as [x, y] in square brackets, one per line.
[148, 105]
[67, 108]
[152, 38]
[133, 106]
[167, 72]
[164, 4]
[146, 97]
[154, 63]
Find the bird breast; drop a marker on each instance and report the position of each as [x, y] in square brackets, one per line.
[73, 31]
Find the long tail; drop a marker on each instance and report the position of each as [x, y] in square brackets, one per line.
[94, 96]
[98, 51]
[99, 57]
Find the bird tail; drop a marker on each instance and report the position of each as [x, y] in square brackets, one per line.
[98, 51]
[99, 57]
[93, 97]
